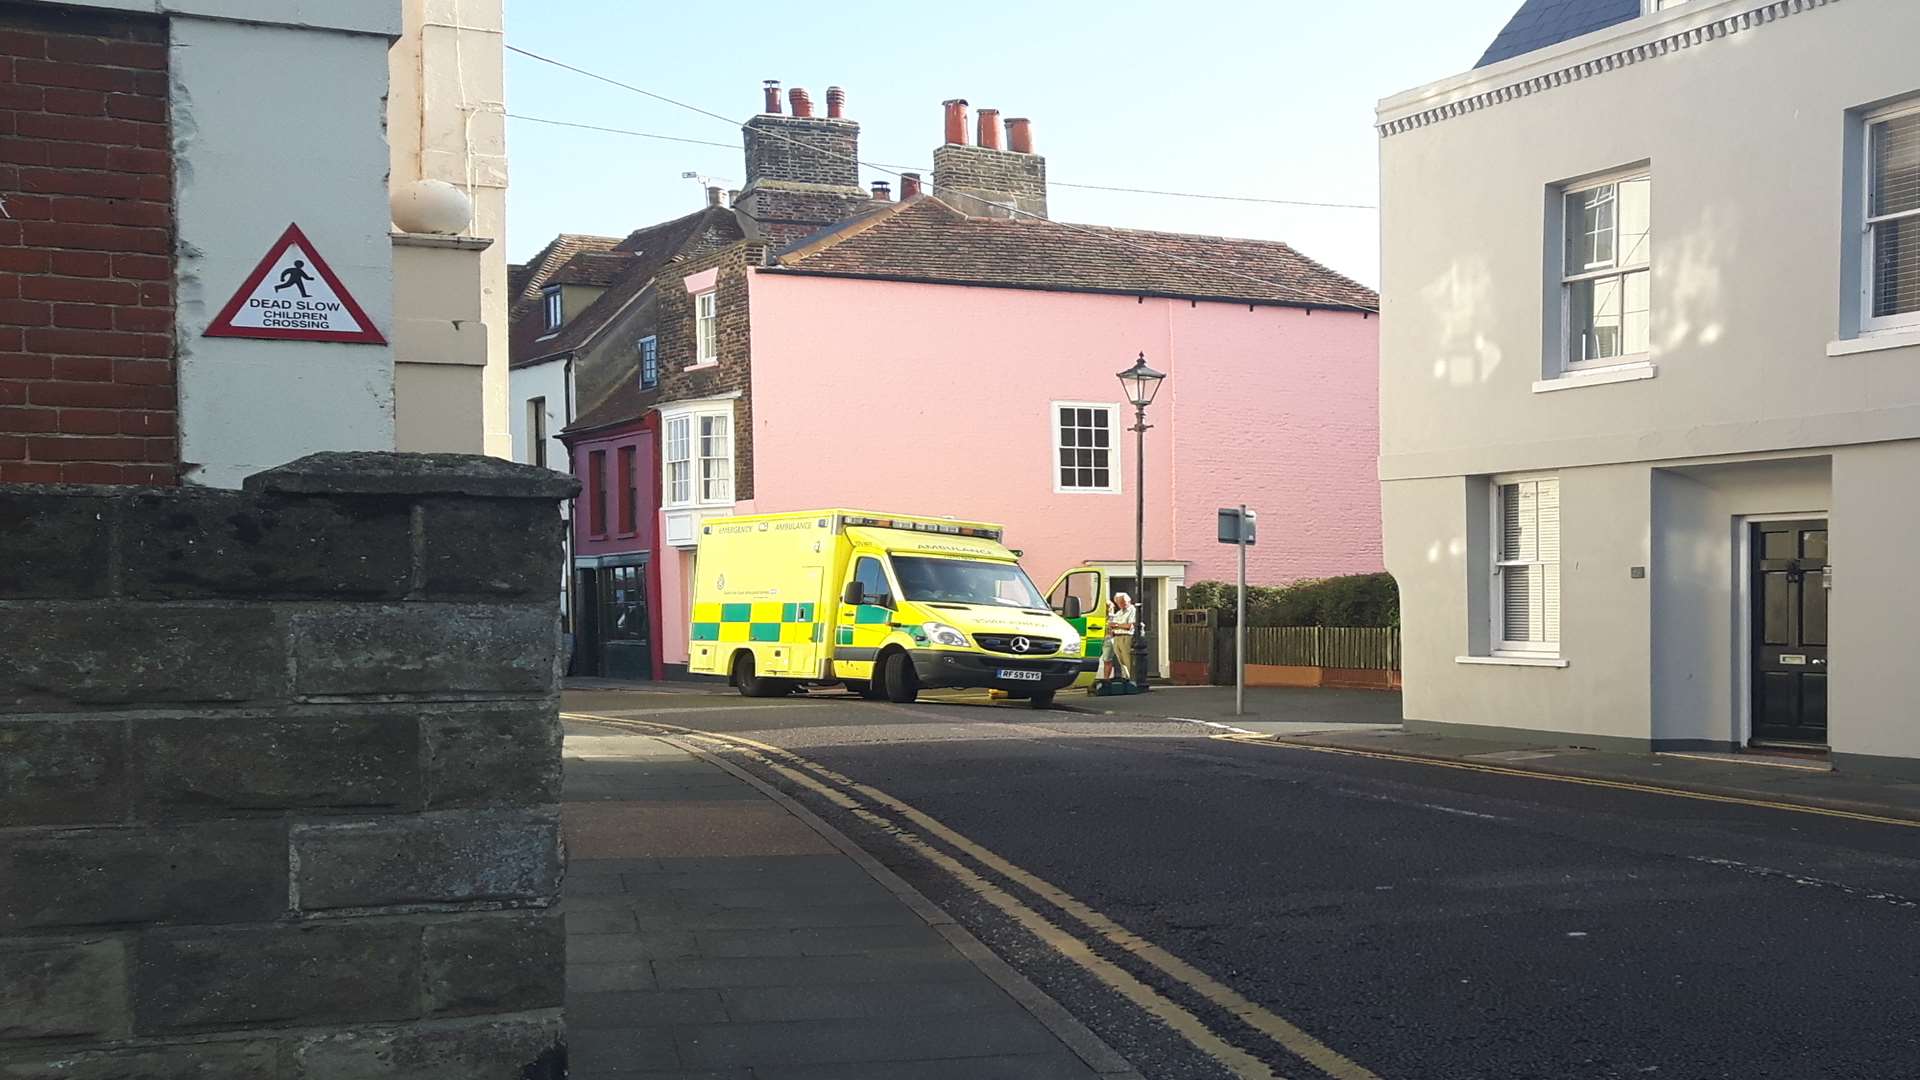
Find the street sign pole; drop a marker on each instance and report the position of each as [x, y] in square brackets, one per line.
[1240, 623]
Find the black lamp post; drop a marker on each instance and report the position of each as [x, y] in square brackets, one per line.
[1141, 383]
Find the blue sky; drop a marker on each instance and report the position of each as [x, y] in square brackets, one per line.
[1273, 99]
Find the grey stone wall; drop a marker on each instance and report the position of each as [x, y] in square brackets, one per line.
[983, 182]
[279, 776]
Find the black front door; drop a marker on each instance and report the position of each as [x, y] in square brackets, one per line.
[1790, 632]
[586, 623]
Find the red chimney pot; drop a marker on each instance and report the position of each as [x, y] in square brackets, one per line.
[802, 104]
[909, 186]
[1020, 135]
[836, 102]
[773, 96]
[956, 121]
[882, 191]
[989, 129]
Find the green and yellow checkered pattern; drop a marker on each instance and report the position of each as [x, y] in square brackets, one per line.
[767, 621]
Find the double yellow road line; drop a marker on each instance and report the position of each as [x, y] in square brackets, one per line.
[988, 875]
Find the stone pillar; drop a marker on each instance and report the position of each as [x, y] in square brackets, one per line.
[279, 775]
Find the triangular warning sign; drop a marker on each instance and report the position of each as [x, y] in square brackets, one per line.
[293, 295]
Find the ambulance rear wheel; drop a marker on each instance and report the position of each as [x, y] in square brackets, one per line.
[901, 683]
[752, 685]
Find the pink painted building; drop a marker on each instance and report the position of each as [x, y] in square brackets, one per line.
[927, 361]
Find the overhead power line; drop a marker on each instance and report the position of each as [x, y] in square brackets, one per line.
[1097, 234]
[1051, 183]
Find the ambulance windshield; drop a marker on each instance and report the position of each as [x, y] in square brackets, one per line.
[957, 581]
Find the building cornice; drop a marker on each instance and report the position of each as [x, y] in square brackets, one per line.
[1599, 53]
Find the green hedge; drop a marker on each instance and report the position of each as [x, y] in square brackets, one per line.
[1354, 600]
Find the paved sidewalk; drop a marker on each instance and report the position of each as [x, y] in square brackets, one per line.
[716, 931]
[1369, 720]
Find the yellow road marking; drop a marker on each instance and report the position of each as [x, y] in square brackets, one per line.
[1244, 1065]
[1589, 781]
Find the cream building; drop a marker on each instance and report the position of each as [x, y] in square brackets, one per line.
[446, 123]
[1650, 378]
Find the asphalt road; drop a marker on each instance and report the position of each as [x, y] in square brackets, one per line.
[1423, 922]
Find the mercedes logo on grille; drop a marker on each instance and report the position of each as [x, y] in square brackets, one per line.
[1021, 645]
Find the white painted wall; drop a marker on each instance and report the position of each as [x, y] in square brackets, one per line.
[276, 124]
[1747, 129]
[549, 381]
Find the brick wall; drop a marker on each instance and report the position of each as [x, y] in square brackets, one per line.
[976, 178]
[86, 268]
[281, 774]
[802, 175]
[674, 328]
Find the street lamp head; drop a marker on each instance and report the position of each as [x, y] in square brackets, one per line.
[1141, 382]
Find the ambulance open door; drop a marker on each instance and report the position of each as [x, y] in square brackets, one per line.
[1080, 597]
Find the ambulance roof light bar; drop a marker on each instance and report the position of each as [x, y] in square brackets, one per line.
[922, 526]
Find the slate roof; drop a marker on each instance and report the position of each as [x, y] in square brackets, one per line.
[927, 240]
[1540, 23]
[623, 268]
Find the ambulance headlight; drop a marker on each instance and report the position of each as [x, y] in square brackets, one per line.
[1072, 646]
[942, 634]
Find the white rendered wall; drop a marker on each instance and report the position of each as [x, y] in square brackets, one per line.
[276, 125]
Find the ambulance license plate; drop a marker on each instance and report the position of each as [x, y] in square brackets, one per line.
[1017, 675]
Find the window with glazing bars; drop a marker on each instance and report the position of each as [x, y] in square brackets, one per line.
[716, 458]
[1083, 448]
[679, 460]
[1605, 277]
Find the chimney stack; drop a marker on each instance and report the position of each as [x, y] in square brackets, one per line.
[956, 121]
[909, 186]
[983, 180]
[1019, 134]
[802, 171]
[836, 102]
[989, 129]
[733, 196]
[802, 104]
[773, 96]
[713, 196]
[882, 191]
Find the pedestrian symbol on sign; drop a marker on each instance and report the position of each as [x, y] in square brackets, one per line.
[295, 277]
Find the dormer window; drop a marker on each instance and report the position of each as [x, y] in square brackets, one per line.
[556, 308]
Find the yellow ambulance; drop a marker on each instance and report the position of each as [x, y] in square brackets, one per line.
[887, 604]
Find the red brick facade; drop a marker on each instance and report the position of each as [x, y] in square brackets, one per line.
[86, 250]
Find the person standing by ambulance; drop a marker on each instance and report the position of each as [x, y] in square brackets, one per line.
[1121, 619]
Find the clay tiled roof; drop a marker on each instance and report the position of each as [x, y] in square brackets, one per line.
[639, 258]
[594, 268]
[526, 316]
[930, 241]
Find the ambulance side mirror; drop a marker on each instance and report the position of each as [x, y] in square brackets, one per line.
[1073, 607]
[855, 595]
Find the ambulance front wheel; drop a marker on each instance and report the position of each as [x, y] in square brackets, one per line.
[902, 683]
[866, 688]
[1041, 699]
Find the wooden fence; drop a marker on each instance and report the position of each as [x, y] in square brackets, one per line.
[1202, 650]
